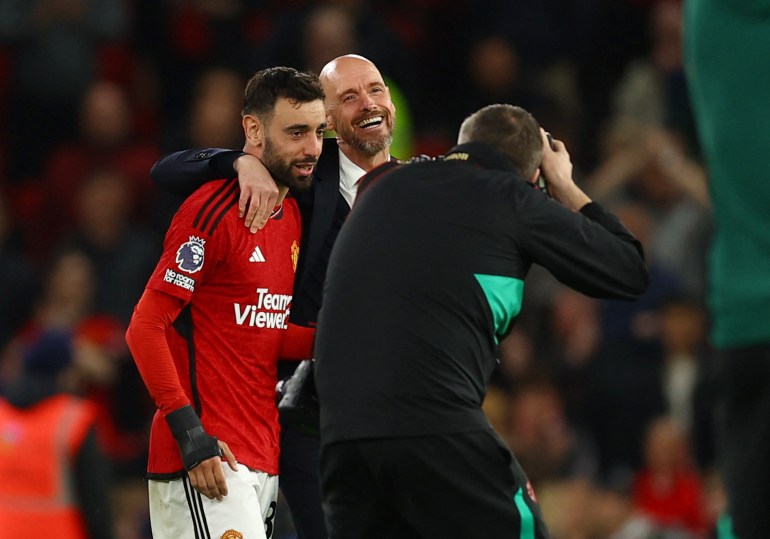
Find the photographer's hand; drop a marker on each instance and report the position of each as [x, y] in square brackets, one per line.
[557, 168]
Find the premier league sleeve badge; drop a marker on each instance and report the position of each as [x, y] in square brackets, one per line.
[189, 256]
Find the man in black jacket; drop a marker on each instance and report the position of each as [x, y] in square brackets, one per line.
[361, 112]
[425, 279]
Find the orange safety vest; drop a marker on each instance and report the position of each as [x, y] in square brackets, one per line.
[38, 447]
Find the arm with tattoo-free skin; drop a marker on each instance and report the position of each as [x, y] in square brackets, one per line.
[557, 167]
[146, 338]
[183, 172]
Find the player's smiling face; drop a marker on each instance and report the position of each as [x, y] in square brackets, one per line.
[293, 142]
[359, 106]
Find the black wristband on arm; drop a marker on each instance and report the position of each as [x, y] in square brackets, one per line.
[195, 445]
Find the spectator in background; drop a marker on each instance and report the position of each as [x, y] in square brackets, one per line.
[625, 374]
[54, 479]
[668, 486]
[686, 358]
[568, 345]
[517, 357]
[687, 377]
[213, 120]
[100, 369]
[57, 56]
[64, 301]
[603, 38]
[568, 507]
[652, 93]
[67, 294]
[329, 32]
[106, 139]
[121, 252]
[106, 375]
[615, 516]
[533, 27]
[494, 73]
[184, 38]
[648, 151]
[649, 166]
[18, 278]
[215, 109]
[333, 29]
[546, 445]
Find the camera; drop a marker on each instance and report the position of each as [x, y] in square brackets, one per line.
[298, 401]
[542, 183]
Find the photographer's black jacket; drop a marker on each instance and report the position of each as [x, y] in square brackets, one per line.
[428, 274]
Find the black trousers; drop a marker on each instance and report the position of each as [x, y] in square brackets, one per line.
[300, 483]
[449, 486]
[743, 437]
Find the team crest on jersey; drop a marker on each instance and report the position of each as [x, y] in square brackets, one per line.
[232, 534]
[189, 256]
[294, 255]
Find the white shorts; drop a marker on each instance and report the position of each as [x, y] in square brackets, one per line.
[178, 511]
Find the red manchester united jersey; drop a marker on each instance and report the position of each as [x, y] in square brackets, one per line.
[225, 342]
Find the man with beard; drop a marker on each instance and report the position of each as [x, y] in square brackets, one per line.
[360, 110]
[213, 320]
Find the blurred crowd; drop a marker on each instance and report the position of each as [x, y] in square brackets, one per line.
[607, 404]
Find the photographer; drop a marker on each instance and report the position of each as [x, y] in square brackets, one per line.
[425, 279]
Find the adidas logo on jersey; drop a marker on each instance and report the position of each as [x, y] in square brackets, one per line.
[257, 255]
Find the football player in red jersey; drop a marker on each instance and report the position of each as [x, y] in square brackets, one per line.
[213, 320]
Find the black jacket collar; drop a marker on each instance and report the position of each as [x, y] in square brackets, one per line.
[481, 154]
[329, 163]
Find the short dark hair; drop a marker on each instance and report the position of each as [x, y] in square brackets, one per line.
[510, 129]
[267, 85]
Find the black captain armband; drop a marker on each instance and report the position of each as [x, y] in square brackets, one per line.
[195, 444]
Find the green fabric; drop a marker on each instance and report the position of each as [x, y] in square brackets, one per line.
[725, 527]
[504, 296]
[727, 62]
[527, 530]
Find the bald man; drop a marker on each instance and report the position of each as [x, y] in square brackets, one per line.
[360, 110]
